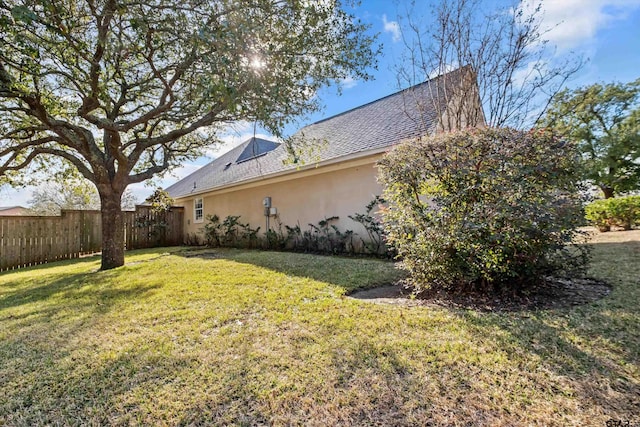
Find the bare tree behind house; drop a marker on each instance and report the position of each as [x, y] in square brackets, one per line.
[510, 69]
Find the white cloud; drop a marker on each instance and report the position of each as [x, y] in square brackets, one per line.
[348, 82]
[574, 23]
[443, 69]
[392, 27]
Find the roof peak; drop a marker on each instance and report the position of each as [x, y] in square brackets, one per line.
[431, 80]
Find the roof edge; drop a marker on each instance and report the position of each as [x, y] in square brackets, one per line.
[328, 162]
[431, 80]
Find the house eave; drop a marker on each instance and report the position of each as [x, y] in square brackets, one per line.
[289, 173]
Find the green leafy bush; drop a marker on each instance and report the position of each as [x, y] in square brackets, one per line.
[275, 238]
[597, 213]
[229, 233]
[622, 212]
[213, 231]
[155, 219]
[375, 242]
[322, 237]
[625, 211]
[490, 209]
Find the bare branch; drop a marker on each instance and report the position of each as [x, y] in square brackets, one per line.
[516, 72]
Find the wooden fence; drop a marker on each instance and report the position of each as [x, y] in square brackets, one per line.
[32, 240]
[147, 229]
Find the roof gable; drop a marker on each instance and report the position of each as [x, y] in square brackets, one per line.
[256, 147]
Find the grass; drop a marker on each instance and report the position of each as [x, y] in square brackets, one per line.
[252, 338]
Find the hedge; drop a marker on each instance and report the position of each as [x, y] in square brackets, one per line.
[621, 212]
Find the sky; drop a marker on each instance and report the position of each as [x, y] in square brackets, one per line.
[605, 32]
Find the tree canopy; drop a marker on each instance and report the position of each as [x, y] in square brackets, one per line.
[605, 120]
[123, 90]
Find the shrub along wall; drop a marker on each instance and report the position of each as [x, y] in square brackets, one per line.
[323, 237]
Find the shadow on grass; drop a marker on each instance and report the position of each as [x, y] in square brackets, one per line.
[236, 386]
[596, 345]
[67, 390]
[598, 378]
[249, 378]
[349, 273]
[78, 290]
[249, 391]
[591, 348]
[48, 377]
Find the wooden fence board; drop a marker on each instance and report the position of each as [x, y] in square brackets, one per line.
[33, 240]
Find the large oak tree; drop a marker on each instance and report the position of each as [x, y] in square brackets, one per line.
[123, 90]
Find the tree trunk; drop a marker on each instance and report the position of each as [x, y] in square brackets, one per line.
[607, 191]
[112, 231]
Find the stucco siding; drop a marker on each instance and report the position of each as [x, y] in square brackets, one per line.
[304, 197]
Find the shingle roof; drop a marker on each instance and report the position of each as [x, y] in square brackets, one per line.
[406, 114]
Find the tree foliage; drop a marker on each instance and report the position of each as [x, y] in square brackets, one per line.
[123, 91]
[74, 193]
[503, 44]
[159, 200]
[486, 208]
[605, 120]
[51, 198]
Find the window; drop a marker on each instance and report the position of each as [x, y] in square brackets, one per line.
[198, 210]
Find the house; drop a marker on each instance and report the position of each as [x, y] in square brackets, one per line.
[328, 168]
[14, 211]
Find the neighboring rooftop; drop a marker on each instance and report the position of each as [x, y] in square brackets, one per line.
[14, 211]
[382, 123]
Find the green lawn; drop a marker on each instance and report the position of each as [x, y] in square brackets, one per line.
[246, 338]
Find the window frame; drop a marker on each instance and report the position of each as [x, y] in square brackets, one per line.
[197, 220]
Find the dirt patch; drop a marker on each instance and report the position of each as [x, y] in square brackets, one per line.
[388, 294]
[554, 293]
[200, 253]
[614, 236]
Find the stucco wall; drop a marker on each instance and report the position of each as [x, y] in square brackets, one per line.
[314, 194]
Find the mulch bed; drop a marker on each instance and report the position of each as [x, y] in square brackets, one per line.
[554, 293]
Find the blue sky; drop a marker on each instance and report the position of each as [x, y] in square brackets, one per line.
[606, 32]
